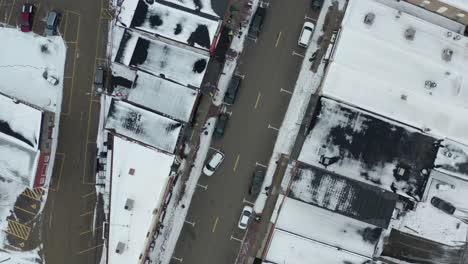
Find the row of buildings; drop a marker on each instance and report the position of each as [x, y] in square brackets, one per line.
[388, 134]
[160, 51]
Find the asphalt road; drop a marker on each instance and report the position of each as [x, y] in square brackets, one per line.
[270, 70]
[67, 233]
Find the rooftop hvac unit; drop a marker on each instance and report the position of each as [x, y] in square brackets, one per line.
[120, 248]
[369, 18]
[129, 204]
[409, 33]
[447, 54]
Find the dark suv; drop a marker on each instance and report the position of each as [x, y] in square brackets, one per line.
[221, 124]
[231, 92]
[443, 205]
[257, 181]
[257, 22]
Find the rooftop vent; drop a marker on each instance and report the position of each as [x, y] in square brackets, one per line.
[430, 84]
[120, 248]
[129, 204]
[447, 54]
[369, 18]
[409, 33]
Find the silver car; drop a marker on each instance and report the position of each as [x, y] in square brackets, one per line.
[51, 23]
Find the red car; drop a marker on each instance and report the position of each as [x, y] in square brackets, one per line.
[26, 17]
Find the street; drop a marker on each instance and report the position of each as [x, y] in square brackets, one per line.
[67, 220]
[269, 66]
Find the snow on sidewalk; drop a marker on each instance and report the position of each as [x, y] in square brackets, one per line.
[177, 210]
[307, 84]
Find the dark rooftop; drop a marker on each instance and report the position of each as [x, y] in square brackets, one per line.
[339, 194]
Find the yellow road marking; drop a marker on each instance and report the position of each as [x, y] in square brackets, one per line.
[258, 100]
[237, 161]
[89, 249]
[215, 224]
[88, 194]
[24, 210]
[87, 213]
[18, 230]
[278, 39]
[34, 194]
[89, 231]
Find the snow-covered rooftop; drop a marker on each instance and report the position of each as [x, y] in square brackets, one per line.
[452, 158]
[140, 174]
[335, 230]
[343, 195]
[175, 24]
[161, 95]
[20, 121]
[288, 248]
[404, 68]
[144, 126]
[369, 149]
[203, 6]
[178, 64]
[25, 60]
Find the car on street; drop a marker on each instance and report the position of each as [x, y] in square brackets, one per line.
[213, 163]
[443, 205]
[316, 4]
[233, 87]
[257, 181]
[26, 17]
[51, 23]
[306, 34]
[99, 78]
[221, 124]
[257, 22]
[245, 217]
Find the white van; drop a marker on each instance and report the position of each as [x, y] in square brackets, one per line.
[306, 34]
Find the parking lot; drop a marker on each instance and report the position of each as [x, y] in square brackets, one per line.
[68, 232]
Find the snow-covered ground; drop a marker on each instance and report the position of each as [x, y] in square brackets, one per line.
[139, 178]
[176, 24]
[418, 80]
[166, 242]
[26, 58]
[433, 224]
[307, 83]
[160, 95]
[142, 125]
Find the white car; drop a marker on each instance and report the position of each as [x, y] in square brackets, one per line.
[306, 34]
[213, 163]
[245, 217]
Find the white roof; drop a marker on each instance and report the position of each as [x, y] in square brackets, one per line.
[23, 120]
[127, 10]
[145, 187]
[25, 58]
[163, 96]
[144, 126]
[386, 73]
[203, 6]
[181, 65]
[287, 248]
[452, 158]
[180, 26]
[335, 230]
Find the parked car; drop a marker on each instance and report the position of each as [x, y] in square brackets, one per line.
[245, 217]
[221, 124]
[213, 163]
[233, 87]
[51, 23]
[99, 78]
[26, 17]
[316, 4]
[443, 205]
[257, 181]
[257, 22]
[306, 34]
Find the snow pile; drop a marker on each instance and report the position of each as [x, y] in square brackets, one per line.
[161, 95]
[335, 230]
[166, 242]
[306, 84]
[26, 59]
[144, 126]
[139, 178]
[430, 91]
[452, 158]
[176, 24]
[23, 257]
